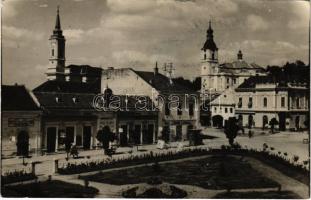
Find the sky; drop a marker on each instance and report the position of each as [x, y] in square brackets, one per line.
[137, 33]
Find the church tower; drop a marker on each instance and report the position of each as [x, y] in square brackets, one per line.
[56, 70]
[209, 66]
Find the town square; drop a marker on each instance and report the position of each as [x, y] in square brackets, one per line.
[155, 99]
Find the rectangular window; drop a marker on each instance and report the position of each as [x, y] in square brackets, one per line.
[250, 102]
[52, 52]
[215, 109]
[226, 110]
[240, 102]
[228, 80]
[265, 102]
[283, 102]
[234, 81]
[231, 110]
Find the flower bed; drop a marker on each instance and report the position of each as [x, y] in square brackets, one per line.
[17, 176]
[281, 163]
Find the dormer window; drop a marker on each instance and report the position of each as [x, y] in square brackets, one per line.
[75, 100]
[58, 100]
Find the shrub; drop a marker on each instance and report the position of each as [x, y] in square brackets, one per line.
[295, 158]
[16, 176]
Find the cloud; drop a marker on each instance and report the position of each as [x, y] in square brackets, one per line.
[74, 36]
[43, 5]
[15, 33]
[9, 8]
[301, 11]
[256, 23]
[16, 37]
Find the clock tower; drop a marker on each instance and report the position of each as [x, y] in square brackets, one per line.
[209, 66]
[56, 70]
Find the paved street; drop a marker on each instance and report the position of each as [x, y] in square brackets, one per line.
[294, 146]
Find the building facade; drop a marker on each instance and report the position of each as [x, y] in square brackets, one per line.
[223, 107]
[177, 117]
[21, 120]
[260, 99]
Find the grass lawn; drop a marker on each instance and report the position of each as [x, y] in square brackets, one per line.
[258, 195]
[216, 172]
[47, 189]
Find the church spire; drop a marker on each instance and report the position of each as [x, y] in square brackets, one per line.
[57, 24]
[209, 43]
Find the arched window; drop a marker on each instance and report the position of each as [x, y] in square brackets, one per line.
[265, 102]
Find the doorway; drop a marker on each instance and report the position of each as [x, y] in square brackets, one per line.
[22, 143]
[87, 134]
[123, 136]
[51, 139]
[178, 133]
[282, 119]
[137, 130]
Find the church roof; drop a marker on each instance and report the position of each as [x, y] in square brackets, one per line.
[241, 64]
[17, 98]
[162, 83]
[67, 87]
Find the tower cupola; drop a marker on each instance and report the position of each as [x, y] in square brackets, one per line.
[210, 48]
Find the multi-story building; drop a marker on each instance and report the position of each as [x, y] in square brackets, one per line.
[261, 98]
[164, 92]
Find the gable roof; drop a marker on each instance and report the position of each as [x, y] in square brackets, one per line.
[17, 98]
[73, 101]
[67, 87]
[162, 83]
[225, 98]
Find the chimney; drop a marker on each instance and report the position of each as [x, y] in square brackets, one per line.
[156, 69]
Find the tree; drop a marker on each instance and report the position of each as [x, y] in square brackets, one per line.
[105, 136]
[272, 124]
[231, 129]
